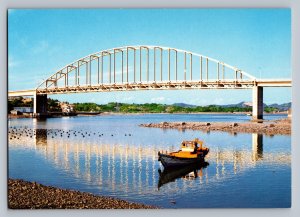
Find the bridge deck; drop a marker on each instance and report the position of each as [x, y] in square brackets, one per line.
[171, 85]
[21, 93]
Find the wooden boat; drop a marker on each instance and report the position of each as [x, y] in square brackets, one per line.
[191, 152]
[173, 173]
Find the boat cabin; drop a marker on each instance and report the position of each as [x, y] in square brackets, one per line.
[191, 146]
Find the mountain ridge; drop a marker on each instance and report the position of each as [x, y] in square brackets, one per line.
[280, 107]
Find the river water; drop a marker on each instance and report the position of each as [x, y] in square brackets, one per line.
[111, 155]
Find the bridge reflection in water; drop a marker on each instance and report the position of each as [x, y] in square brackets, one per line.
[131, 168]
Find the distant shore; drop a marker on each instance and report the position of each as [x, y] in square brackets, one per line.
[188, 113]
[31, 195]
[10, 116]
[266, 127]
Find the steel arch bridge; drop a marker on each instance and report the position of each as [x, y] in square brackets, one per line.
[144, 67]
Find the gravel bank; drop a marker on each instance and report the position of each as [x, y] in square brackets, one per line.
[28, 195]
[267, 127]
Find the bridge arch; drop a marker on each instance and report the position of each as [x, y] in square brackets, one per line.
[144, 67]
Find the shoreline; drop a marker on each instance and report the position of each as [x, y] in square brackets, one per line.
[281, 127]
[31, 195]
[187, 113]
[10, 116]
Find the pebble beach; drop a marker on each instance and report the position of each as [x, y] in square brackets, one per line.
[32, 195]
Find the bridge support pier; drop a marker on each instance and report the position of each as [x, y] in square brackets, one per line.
[40, 105]
[257, 146]
[257, 103]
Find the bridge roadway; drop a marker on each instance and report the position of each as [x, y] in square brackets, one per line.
[40, 95]
[171, 85]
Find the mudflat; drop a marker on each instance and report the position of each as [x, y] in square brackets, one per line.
[282, 126]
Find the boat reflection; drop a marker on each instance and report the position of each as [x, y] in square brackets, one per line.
[186, 172]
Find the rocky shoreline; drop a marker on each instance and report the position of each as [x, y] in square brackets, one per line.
[282, 127]
[31, 195]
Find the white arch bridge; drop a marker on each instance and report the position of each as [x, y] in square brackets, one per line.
[145, 67]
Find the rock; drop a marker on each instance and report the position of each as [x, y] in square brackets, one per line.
[164, 123]
[234, 124]
[250, 127]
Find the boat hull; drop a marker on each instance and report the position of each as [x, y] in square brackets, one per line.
[171, 161]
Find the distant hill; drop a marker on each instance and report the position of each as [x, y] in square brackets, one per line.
[183, 105]
[280, 107]
[240, 105]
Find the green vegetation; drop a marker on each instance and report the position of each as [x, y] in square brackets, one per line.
[18, 102]
[270, 109]
[154, 108]
[54, 106]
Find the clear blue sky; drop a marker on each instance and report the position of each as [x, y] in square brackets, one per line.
[255, 40]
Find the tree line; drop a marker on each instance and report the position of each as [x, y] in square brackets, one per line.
[54, 106]
[158, 108]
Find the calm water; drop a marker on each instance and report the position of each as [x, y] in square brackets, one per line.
[113, 156]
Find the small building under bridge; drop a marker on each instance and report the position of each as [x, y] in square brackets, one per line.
[22, 110]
